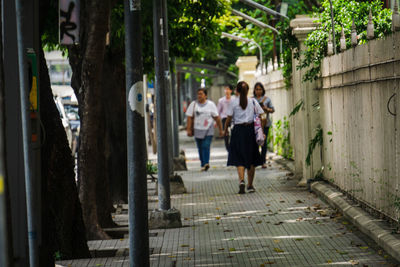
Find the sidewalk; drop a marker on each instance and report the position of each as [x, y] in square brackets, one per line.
[278, 225]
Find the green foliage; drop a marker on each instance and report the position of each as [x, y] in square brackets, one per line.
[297, 108]
[317, 140]
[57, 256]
[344, 13]
[282, 139]
[265, 37]
[151, 168]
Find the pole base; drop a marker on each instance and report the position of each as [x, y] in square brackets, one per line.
[164, 219]
[180, 163]
[176, 185]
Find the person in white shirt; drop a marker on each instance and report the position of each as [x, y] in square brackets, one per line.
[223, 104]
[243, 148]
[201, 115]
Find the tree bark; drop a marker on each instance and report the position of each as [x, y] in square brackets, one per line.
[86, 61]
[62, 224]
[113, 90]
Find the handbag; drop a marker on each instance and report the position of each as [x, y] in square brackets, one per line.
[260, 137]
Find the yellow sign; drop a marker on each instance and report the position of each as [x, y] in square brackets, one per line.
[1, 185]
[33, 97]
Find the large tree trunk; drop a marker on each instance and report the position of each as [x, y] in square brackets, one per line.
[114, 103]
[86, 61]
[62, 224]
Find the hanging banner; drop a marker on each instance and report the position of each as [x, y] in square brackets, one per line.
[69, 22]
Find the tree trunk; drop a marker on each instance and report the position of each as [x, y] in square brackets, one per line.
[114, 93]
[62, 224]
[86, 61]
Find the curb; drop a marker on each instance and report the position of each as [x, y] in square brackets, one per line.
[365, 222]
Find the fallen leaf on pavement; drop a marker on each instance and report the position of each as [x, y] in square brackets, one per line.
[232, 249]
[276, 241]
[278, 250]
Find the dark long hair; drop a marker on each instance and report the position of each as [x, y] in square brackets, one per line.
[262, 87]
[242, 88]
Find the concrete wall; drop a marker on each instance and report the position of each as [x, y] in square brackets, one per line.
[356, 101]
[356, 95]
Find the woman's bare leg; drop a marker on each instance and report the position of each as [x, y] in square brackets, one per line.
[250, 175]
[240, 170]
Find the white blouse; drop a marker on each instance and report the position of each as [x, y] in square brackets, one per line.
[246, 115]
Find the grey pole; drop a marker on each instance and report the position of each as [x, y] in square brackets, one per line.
[4, 261]
[168, 88]
[245, 40]
[263, 8]
[333, 29]
[161, 83]
[253, 20]
[136, 139]
[29, 183]
[175, 110]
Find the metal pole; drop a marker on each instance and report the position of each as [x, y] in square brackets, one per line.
[261, 55]
[29, 183]
[136, 139]
[4, 260]
[168, 88]
[333, 29]
[161, 83]
[263, 8]
[253, 20]
[175, 110]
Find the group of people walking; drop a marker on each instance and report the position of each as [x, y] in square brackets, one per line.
[234, 116]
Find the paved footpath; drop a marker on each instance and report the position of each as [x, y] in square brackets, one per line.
[278, 225]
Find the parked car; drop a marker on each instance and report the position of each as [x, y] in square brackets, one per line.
[64, 119]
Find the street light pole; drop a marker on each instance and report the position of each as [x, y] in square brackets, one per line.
[245, 40]
[161, 86]
[136, 139]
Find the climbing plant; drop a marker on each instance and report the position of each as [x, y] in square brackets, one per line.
[344, 13]
[317, 140]
[282, 139]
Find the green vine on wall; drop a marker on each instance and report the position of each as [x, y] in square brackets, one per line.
[282, 139]
[344, 12]
[317, 140]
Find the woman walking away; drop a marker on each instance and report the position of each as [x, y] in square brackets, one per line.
[200, 123]
[243, 149]
[266, 104]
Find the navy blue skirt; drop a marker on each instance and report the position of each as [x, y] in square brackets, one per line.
[243, 149]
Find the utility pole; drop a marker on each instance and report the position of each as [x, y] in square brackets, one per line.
[4, 259]
[175, 110]
[25, 125]
[161, 86]
[136, 139]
